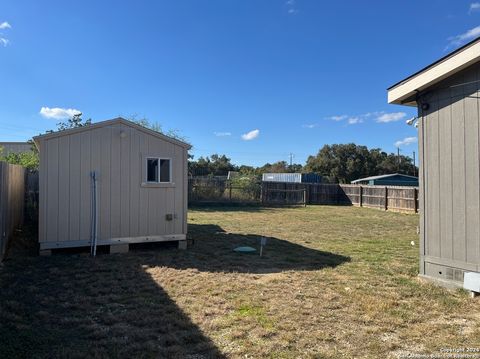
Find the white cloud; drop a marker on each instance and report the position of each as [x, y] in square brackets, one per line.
[291, 7]
[310, 125]
[406, 141]
[222, 134]
[58, 113]
[250, 135]
[3, 40]
[354, 120]
[337, 118]
[474, 6]
[378, 116]
[463, 38]
[372, 114]
[391, 117]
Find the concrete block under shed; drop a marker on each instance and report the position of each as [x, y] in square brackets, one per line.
[471, 282]
[45, 252]
[119, 248]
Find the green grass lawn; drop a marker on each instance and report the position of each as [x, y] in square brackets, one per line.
[334, 282]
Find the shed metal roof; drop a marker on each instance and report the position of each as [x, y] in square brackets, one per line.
[371, 178]
[405, 91]
[118, 120]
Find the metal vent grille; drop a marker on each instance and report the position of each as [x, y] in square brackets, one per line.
[454, 274]
[458, 275]
[449, 273]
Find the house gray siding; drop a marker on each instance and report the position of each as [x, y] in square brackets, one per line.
[129, 209]
[15, 147]
[450, 177]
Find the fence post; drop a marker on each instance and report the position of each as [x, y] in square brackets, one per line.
[230, 192]
[415, 199]
[361, 196]
[304, 197]
[386, 198]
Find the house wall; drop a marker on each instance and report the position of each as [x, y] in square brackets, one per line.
[449, 177]
[128, 209]
[15, 147]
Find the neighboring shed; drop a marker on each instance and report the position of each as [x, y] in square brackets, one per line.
[14, 147]
[394, 179]
[292, 177]
[141, 180]
[446, 95]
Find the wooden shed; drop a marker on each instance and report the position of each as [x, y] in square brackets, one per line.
[446, 94]
[111, 183]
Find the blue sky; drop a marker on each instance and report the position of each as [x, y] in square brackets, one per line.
[253, 79]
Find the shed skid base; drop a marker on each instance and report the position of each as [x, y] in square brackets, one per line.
[119, 248]
[182, 245]
[45, 252]
[113, 241]
[448, 284]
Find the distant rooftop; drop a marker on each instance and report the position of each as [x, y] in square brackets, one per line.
[372, 178]
[15, 147]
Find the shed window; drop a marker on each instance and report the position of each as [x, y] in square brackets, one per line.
[164, 170]
[158, 170]
[152, 169]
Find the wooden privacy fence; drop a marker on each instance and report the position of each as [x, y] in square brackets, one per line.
[383, 197]
[12, 201]
[285, 193]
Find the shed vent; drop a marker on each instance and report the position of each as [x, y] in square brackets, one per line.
[454, 274]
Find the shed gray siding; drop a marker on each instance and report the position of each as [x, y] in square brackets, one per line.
[450, 177]
[130, 210]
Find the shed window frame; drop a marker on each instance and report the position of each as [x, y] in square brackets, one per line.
[159, 173]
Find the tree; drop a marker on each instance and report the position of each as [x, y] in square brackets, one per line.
[155, 126]
[31, 159]
[28, 160]
[247, 170]
[345, 162]
[215, 165]
[279, 167]
[73, 122]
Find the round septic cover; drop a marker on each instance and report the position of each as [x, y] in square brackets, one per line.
[245, 249]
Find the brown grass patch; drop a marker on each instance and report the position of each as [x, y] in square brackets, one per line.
[334, 282]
